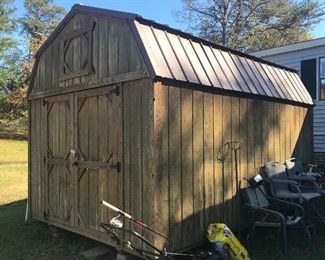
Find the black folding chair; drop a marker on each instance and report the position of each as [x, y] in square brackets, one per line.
[267, 212]
[280, 187]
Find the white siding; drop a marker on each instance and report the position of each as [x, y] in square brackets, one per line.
[292, 60]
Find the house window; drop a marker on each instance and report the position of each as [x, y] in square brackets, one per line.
[322, 78]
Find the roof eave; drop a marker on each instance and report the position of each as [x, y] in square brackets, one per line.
[221, 91]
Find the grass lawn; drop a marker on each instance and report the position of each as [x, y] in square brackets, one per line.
[13, 170]
[34, 240]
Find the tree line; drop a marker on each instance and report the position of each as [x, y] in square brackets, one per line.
[246, 25]
[20, 37]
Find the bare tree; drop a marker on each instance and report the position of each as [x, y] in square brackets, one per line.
[251, 24]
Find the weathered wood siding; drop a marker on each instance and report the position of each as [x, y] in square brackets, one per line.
[193, 188]
[36, 167]
[112, 46]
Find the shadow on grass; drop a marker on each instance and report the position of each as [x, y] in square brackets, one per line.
[33, 240]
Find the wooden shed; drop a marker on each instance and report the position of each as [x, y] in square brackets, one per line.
[136, 113]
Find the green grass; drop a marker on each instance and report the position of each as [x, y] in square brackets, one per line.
[33, 240]
[13, 170]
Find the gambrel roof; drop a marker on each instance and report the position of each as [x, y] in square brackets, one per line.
[173, 55]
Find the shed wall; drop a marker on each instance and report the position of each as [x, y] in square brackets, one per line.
[191, 127]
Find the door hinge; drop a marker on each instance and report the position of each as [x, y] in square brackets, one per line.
[45, 214]
[116, 166]
[117, 90]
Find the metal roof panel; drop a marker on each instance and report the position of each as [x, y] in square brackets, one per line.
[206, 64]
[155, 55]
[195, 61]
[169, 54]
[182, 58]
[224, 83]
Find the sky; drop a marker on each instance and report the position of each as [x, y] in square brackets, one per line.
[162, 11]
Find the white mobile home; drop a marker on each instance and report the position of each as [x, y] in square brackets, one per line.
[308, 58]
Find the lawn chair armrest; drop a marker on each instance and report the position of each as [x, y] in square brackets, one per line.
[290, 183]
[288, 203]
[277, 214]
[311, 181]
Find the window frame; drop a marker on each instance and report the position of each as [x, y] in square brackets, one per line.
[319, 78]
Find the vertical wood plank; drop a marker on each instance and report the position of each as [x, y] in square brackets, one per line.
[43, 152]
[62, 178]
[135, 59]
[123, 47]
[135, 156]
[147, 140]
[288, 131]
[265, 133]
[42, 80]
[103, 48]
[83, 174]
[244, 157]
[198, 163]
[252, 131]
[55, 64]
[187, 164]
[77, 55]
[48, 67]
[235, 164]
[218, 142]
[282, 131]
[276, 127]
[39, 159]
[227, 126]
[127, 151]
[103, 155]
[161, 161]
[93, 155]
[95, 57]
[113, 44]
[56, 153]
[174, 118]
[243, 124]
[255, 137]
[208, 152]
[270, 128]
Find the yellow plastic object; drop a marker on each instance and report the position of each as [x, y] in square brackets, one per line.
[221, 233]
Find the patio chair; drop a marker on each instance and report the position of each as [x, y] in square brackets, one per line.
[296, 167]
[280, 187]
[307, 180]
[266, 212]
[283, 188]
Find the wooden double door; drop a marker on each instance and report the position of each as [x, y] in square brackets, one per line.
[83, 159]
